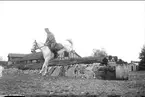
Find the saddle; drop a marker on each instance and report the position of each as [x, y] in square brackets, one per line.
[55, 48]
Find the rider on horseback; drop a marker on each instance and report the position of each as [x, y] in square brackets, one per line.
[52, 44]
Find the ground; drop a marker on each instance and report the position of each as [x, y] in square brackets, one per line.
[29, 82]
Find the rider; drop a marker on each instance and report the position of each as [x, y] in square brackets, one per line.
[52, 44]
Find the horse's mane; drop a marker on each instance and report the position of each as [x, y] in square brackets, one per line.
[40, 43]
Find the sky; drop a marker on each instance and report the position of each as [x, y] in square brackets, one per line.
[116, 26]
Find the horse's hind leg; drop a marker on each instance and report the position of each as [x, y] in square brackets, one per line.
[42, 70]
[45, 66]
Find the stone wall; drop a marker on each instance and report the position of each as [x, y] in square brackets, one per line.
[87, 71]
[122, 72]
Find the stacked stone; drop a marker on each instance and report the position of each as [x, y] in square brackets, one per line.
[77, 70]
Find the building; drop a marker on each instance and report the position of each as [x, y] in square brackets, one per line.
[73, 54]
[32, 58]
[13, 58]
[38, 57]
[133, 66]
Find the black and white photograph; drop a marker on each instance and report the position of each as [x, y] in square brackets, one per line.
[72, 48]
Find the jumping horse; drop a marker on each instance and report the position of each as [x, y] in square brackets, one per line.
[48, 54]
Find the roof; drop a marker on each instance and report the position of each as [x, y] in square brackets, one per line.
[32, 56]
[15, 60]
[135, 61]
[76, 53]
[16, 55]
[132, 64]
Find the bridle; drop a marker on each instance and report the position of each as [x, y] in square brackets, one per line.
[36, 47]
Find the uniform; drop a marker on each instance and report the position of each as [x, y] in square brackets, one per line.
[51, 43]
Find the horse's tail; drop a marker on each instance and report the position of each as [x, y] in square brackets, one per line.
[70, 41]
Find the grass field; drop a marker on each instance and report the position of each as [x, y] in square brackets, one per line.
[29, 82]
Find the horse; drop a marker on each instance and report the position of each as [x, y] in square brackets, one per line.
[68, 47]
[48, 54]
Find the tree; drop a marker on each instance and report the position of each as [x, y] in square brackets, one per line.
[120, 61]
[105, 61]
[99, 53]
[142, 59]
[115, 58]
[110, 57]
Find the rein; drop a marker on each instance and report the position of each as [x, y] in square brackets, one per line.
[36, 46]
[40, 47]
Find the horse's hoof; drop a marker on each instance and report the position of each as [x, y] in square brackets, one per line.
[40, 72]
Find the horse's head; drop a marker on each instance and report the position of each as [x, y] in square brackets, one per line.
[34, 47]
